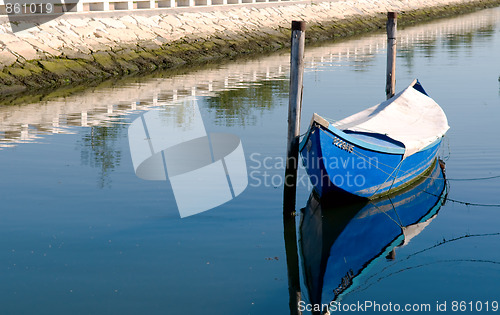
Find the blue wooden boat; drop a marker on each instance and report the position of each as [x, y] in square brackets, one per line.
[376, 151]
[339, 244]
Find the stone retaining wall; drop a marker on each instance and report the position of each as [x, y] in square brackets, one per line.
[79, 47]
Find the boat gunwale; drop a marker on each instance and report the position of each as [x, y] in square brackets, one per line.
[319, 121]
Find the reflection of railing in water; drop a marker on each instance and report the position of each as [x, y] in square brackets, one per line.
[364, 50]
[25, 123]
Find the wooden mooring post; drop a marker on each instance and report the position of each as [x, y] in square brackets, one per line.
[290, 183]
[392, 23]
[294, 108]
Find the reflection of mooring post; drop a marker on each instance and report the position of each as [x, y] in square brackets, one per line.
[392, 23]
[294, 107]
[292, 264]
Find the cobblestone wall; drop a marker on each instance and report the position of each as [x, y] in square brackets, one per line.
[77, 47]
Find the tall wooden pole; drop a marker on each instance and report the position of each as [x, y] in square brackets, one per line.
[392, 23]
[294, 108]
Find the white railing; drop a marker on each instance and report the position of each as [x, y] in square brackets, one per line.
[58, 6]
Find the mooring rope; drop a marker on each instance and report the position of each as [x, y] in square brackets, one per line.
[493, 205]
[400, 224]
[361, 155]
[474, 178]
[391, 176]
[445, 158]
[377, 277]
[444, 241]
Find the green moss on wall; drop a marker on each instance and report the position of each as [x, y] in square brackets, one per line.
[192, 51]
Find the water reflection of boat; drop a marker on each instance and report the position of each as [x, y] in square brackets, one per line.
[339, 243]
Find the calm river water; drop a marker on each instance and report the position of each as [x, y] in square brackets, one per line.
[81, 233]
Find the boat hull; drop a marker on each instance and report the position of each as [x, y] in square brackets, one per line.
[342, 163]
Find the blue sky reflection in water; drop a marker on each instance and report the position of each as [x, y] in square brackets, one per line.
[82, 234]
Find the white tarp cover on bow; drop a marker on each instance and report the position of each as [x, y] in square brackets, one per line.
[410, 117]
